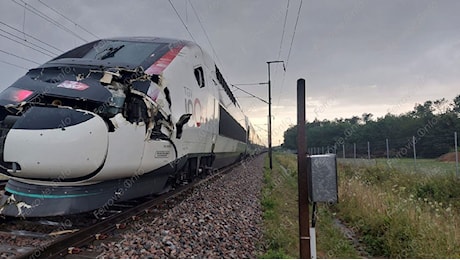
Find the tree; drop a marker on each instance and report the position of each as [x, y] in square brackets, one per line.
[425, 110]
[441, 106]
[456, 104]
[367, 117]
[354, 120]
[433, 130]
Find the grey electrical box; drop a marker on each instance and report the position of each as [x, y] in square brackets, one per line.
[322, 180]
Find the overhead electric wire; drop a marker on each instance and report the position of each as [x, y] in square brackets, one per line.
[284, 28]
[47, 18]
[28, 35]
[14, 65]
[206, 34]
[250, 94]
[37, 50]
[68, 19]
[290, 48]
[251, 84]
[21, 41]
[183, 23]
[293, 34]
[261, 128]
[19, 57]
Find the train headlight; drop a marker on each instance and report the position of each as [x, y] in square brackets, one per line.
[15, 94]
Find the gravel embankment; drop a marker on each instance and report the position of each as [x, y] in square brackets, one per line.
[219, 220]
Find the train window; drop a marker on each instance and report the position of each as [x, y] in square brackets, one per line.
[224, 84]
[229, 127]
[199, 75]
[49, 117]
[115, 51]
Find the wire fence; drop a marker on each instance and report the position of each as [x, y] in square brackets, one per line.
[414, 153]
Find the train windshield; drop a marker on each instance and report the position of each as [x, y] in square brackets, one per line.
[115, 51]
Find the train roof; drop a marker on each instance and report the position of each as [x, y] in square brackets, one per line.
[149, 39]
[127, 52]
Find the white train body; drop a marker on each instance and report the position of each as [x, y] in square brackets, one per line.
[76, 129]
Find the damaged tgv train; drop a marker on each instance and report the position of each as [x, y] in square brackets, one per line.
[113, 120]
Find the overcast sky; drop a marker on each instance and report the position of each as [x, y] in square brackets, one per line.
[357, 56]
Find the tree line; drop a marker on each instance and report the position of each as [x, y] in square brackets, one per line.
[432, 124]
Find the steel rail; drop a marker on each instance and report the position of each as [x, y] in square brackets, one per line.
[61, 246]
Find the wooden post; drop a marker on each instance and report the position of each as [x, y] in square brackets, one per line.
[304, 218]
[456, 154]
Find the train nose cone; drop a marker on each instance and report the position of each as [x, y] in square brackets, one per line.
[49, 143]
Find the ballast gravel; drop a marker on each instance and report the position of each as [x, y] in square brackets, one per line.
[222, 219]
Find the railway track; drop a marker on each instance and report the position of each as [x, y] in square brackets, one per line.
[61, 237]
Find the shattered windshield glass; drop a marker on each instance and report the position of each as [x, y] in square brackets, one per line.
[115, 51]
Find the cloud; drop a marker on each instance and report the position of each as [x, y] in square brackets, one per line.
[357, 56]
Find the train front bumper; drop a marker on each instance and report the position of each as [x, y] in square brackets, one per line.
[56, 144]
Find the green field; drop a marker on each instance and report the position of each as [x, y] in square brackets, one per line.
[393, 212]
[400, 214]
[279, 203]
[425, 166]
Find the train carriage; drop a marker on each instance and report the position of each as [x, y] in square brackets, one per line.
[113, 120]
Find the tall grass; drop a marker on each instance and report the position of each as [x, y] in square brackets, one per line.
[401, 215]
[280, 213]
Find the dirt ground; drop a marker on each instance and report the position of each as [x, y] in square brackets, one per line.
[448, 157]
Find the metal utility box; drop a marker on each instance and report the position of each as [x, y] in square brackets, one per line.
[322, 180]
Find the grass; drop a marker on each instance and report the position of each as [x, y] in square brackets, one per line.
[395, 213]
[280, 213]
[401, 215]
[330, 241]
[280, 207]
[425, 166]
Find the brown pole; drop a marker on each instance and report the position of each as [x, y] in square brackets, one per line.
[270, 112]
[270, 118]
[304, 227]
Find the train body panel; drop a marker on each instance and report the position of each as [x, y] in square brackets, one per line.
[191, 98]
[122, 160]
[50, 153]
[113, 120]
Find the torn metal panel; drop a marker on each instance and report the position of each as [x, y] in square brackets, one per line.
[11, 201]
[158, 118]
